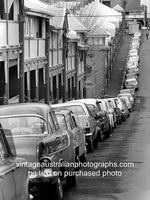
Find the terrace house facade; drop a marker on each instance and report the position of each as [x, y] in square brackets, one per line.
[11, 48]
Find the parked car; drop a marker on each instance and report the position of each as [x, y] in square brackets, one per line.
[135, 59]
[138, 34]
[127, 95]
[131, 84]
[131, 91]
[38, 139]
[126, 110]
[111, 111]
[13, 174]
[133, 52]
[133, 68]
[68, 121]
[117, 110]
[87, 120]
[104, 106]
[128, 103]
[131, 75]
[101, 116]
[122, 108]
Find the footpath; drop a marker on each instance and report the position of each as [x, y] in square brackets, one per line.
[116, 79]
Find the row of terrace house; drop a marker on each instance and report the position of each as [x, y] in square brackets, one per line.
[42, 53]
[49, 54]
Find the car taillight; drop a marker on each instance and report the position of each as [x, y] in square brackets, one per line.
[87, 127]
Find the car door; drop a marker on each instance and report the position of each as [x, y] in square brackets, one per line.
[21, 182]
[63, 141]
[80, 136]
[17, 168]
[7, 182]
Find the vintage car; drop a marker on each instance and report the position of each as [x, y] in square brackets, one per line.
[101, 116]
[131, 83]
[69, 121]
[131, 91]
[13, 174]
[104, 106]
[120, 104]
[40, 141]
[116, 110]
[86, 119]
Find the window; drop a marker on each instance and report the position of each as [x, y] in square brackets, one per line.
[39, 28]
[51, 122]
[81, 55]
[27, 26]
[11, 12]
[61, 121]
[33, 24]
[3, 150]
[2, 12]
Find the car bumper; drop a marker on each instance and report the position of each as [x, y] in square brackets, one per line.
[36, 183]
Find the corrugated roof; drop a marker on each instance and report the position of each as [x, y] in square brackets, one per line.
[76, 24]
[38, 6]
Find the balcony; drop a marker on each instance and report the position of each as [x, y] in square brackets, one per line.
[34, 47]
[13, 33]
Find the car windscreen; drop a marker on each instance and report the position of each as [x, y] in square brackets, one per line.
[27, 132]
[92, 108]
[101, 106]
[24, 125]
[76, 109]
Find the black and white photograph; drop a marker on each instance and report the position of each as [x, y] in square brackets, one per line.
[74, 99]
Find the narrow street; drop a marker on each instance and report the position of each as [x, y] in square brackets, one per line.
[129, 145]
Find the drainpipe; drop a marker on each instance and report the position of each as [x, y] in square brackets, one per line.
[6, 95]
[47, 84]
[21, 41]
[65, 48]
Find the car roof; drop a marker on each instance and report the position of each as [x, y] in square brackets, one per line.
[87, 100]
[69, 103]
[124, 94]
[130, 79]
[25, 109]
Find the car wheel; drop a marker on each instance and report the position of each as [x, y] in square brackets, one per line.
[95, 143]
[83, 158]
[100, 136]
[90, 146]
[115, 125]
[77, 160]
[71, 181]
[58, 190]
[109, 132]
[120, 121]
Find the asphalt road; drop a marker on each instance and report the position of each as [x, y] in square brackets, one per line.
[129, 145]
